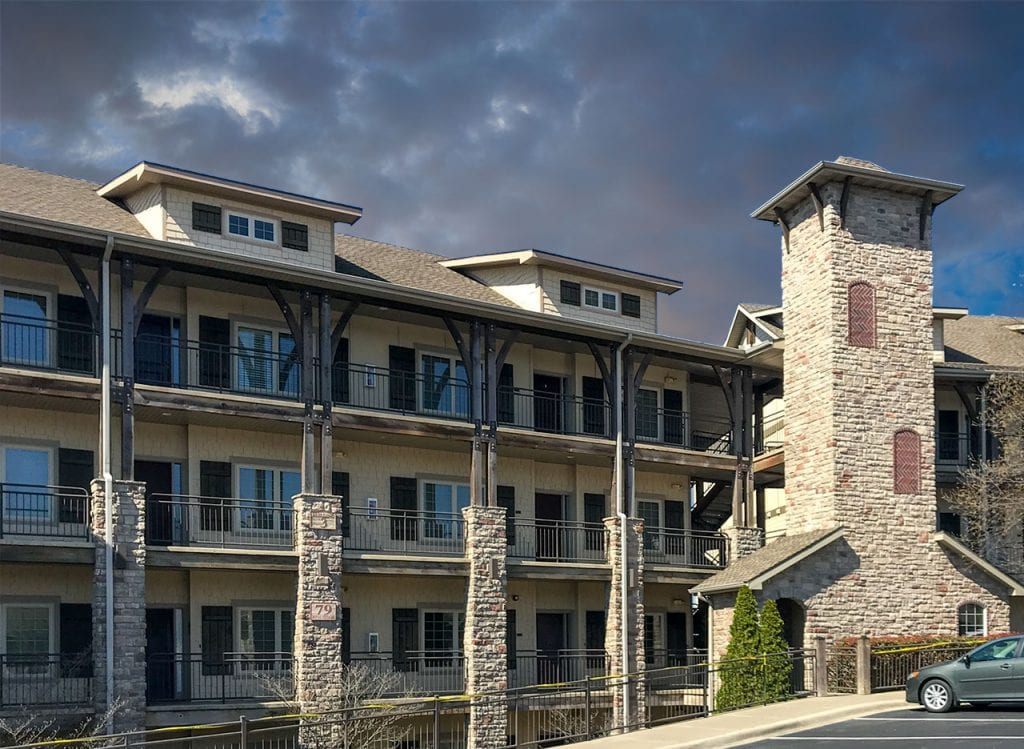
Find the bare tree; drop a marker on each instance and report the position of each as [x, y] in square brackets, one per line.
[36, 726]
[991, 494]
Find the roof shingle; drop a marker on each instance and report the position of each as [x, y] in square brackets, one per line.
[984, 340]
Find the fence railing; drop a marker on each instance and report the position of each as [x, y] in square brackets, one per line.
[665, 426]
[32, 343]
[405, 532]
[46, 679]
[218, 677]
[226, 523]
[383, 389]
[861, 667]
[704, 549]
[557, 541]
[555, 413]
[890, 669]
[415, 674]
[47, 511]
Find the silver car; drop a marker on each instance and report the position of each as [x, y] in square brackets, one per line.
[993, 672]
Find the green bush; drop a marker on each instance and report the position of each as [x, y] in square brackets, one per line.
[775, 671]
[738, 669]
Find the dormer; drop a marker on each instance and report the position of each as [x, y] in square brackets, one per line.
[189, 208]
[557, 285]
[754, 325]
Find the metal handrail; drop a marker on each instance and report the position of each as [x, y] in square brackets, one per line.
[219, 522]
[52, 345]
[44, 510]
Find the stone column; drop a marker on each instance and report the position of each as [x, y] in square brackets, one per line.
[743, 541]
[632, 619]
[485, 646]
[318, 643]
[129, 626]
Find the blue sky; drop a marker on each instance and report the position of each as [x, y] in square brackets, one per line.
[638, 134]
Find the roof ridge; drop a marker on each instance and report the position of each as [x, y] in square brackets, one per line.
[342, 235]
[94, 185]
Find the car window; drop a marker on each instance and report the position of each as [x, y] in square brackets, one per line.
[996, 651]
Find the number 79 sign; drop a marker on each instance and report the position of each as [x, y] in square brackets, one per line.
[323, 612]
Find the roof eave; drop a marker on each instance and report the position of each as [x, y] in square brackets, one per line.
[953, 544]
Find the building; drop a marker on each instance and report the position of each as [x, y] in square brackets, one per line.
[315, 449]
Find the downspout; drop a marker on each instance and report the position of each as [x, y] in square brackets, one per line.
[108, 478]
[620, 504]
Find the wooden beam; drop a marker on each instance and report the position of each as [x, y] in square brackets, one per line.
[726, 390]
[147, 293]
[128, 368]
[970, 404]
[288, 314]
[606, 375]
[781, 218]
[819, 206]
[88, 294]
[844, 201]
[491, 378]
[326, 396]
[339, 327]
[460, 346]
[506, 347]
[308, 352]
[927, 206]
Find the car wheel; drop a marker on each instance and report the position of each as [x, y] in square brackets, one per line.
[937, 697]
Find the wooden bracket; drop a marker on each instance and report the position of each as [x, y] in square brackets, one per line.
[83, 284]
[506, 347]
[147, 293]
[726, 390]
[641, 370]
[602, 365]
[781, 218]
[927, 207]
[844, 201]
[819, 206]
[460, 345]
[289, 316]
[339, 327]
[969, 402]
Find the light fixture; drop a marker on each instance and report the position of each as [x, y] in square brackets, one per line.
[669, 379]
[677, 487]
[678, 602]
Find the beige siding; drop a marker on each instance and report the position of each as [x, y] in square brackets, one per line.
[519, 283]
[148, 207]
[552, 303]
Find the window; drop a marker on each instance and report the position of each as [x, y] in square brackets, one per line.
[606, 301]
[294, 236]
[265, 499]
[861, 315]
[570, 293]
[24, 334]
[1000, 650]
[971, 620]
[442, 509]
[206, 218]
[265, 638]
[444, 393]
[26, 635]
[25, 473]
[442, 637]
[906, 449]
[267, 362]
[630, 305]
[650, 512]
[252, 227]
[647, 414]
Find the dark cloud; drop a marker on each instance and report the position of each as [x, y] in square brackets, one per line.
[638, 134]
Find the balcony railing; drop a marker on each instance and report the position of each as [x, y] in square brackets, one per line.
[216, 677]
[679, 429]
[557, 541]
[416, 673]
[532, 667]
[48, 511]
[45, 679]
[773, 433]
[31, 343]
[704, 549]
[382, 389]
[554, 413]
[405, 532]
[228, 523]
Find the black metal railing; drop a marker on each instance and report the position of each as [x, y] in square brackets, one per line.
[704, 549]
[773, 433]
[49, 511]
[32, 343]
[225, 523]
[45, 679]
[532, 667]
[405, 532]
[415, 673]
[679, 429]
[382, 389]
[218, 677]
[557, 541]
[555, 413]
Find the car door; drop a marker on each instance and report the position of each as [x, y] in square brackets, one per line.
[995, 672]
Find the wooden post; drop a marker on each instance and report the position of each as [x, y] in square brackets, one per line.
[820, 666]
[127, 369]
[307, 350]
[739, 477]
[687, 531]
[863, 665]
[750, 512]
[629, 435]
[326, 396]
[478, 496]
[491, 383]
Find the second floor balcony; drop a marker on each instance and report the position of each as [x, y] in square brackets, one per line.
[48, 680]
[216, 522]
[218, 677]
[39, 511]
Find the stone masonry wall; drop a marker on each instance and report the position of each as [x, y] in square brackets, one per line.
[129, 625]
[632, 619]
[744, 541]
[485, 646]
[844, 405]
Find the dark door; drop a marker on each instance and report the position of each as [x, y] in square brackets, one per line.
[594, 406]
[405, 639]
[675, 638]
[948, 446]
[160, 655]
[551, 641]
[153, 351]
[547, 403]
[158, 476]
[548, 511]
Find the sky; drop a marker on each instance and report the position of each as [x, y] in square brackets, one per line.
[640, 135]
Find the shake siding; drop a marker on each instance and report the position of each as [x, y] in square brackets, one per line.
[517, 283]
[147, 206]
[552, 304]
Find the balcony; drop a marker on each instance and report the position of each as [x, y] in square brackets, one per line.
[696, 549]
[533, 667]
[221, 523]
[227, 677]
[47, 345]
[556, 541]
[59, 512]
[405, 532]
[553, 413]
[414, 673]
[673, 428]
[381, 389]
[46, 680]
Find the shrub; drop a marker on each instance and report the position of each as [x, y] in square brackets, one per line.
[738, 669]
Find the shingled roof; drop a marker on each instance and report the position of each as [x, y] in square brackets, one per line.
[984, 342]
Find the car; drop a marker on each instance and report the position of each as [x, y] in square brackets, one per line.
[993, 672]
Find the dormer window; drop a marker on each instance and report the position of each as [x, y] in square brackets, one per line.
[606, 301]
[251, 227]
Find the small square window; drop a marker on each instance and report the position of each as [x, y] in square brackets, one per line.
[591, 298]
[263, 230]
[238, 225]
[609, 301]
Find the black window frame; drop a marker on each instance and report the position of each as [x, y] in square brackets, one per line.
[571, 293]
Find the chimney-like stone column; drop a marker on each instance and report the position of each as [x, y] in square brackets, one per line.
[485, 646]
[743, 541]
[633, 660]
[128, 499]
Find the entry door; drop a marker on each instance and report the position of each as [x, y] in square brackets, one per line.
[160, 655]
[948, 442]
[156, 353]
[547, 403]
[551, 641]
[158, 476]
[548, 509]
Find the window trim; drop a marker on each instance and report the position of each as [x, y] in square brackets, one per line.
[278, 501]
[276, 331]
[49, 318]
[51, 470]
[430, 517]
[984, 619]
[50, 607]
[599, 307]
[276, 656]
[252, 218]
[454, 361]
[453, 655]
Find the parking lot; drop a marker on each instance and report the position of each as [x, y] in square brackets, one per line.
[979, 729]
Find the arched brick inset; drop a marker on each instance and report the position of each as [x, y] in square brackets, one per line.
[861, 314]
[906, 462]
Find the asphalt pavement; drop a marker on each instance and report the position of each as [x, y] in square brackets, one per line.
[995, 727]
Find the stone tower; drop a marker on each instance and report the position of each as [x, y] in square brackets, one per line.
[861, 554]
